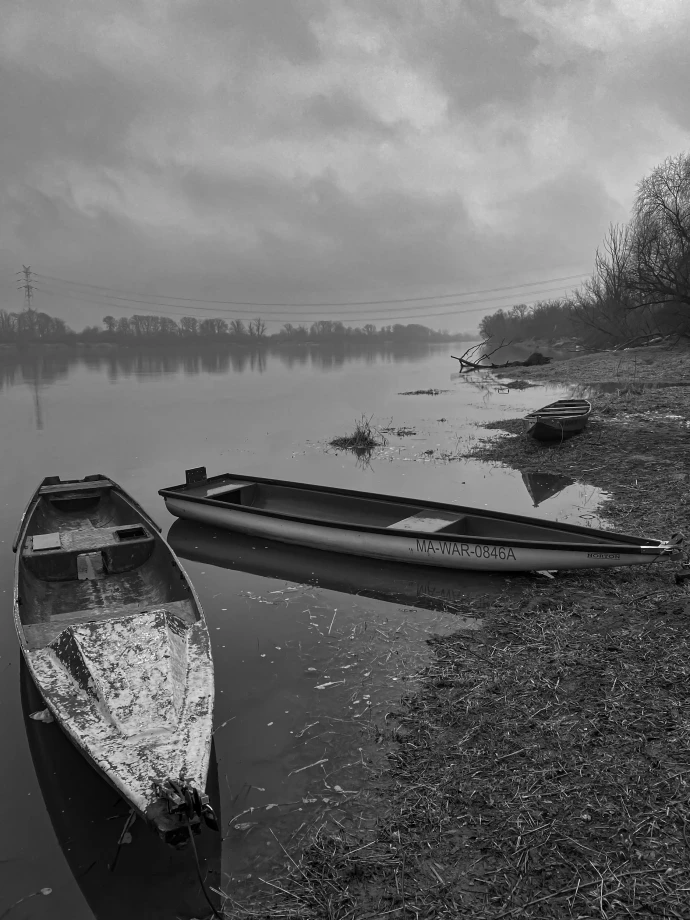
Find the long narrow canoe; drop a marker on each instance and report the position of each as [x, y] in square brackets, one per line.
[402, 529]
[115, 640]
[559, 420]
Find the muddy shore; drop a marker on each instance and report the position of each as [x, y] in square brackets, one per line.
[543, 768]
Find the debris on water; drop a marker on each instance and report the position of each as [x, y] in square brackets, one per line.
[43, 715]
[316, 763]
[423, 392]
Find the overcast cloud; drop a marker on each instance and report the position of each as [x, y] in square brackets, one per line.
[294, 150]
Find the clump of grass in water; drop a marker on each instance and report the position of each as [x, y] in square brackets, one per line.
[362, 440]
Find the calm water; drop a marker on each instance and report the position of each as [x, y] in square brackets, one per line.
[310, 650]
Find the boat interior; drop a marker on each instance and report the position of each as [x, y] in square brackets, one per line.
[88, 554]
[371, 512]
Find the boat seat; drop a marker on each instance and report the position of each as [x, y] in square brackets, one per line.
[431, 522]
[234, 493]
[39, 635]
[92, 552]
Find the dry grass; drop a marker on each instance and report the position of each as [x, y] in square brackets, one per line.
[641, 365]
[364, 439]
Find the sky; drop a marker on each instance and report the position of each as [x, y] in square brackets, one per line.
[317, 153]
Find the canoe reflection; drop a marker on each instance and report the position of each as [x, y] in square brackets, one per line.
[542, 486]
[419, 586]
[150, 880]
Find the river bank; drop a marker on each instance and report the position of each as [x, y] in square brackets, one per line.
[542, 769]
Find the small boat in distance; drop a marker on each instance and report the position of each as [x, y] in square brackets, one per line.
[115, 640]
[402, 529]
[559, 420]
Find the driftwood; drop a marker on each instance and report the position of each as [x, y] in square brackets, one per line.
[466, 365]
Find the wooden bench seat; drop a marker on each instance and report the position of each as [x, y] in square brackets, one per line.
[62, 556]
[429, 522]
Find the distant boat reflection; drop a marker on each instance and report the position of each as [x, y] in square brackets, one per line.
[150, 881]
[417, 586]
[542, 486]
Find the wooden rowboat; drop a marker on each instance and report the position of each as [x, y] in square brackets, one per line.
[402, 529]
[559, 420]
[116, 642]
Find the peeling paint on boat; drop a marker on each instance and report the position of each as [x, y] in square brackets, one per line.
[138, 692]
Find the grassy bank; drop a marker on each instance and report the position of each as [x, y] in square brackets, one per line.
[543, 769]
[632, 368]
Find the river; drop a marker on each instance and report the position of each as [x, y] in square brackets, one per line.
[310, 651]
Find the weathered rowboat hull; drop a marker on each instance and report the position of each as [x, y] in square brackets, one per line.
[115, 640]
[500, 542]
[559, 420]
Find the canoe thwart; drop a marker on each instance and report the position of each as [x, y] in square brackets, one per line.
[93, 485]
[429, 522]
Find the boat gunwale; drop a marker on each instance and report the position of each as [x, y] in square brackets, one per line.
[553, 410]
[627, 544]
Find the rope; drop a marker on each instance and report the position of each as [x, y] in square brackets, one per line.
[199, 875]
[131, 818]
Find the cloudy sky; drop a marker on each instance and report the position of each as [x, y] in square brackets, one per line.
[320, 151]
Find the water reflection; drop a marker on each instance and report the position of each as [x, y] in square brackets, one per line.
[150, 881]
[542, 486]
[418, 586]
[52, 363]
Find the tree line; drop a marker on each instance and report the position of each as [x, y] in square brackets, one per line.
[30, 325]
[640, 286]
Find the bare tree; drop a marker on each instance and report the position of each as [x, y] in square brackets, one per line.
[605, 304]
[189, 325]
[257, 328]
[661, 224]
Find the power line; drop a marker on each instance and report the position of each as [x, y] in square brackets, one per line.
[286, 317]
[114, 301]
[125, 295]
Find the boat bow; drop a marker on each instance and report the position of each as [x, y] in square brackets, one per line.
[136, 693]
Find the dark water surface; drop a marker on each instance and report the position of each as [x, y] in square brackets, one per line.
[311, 650]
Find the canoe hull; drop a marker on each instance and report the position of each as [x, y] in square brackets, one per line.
[429, 549]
